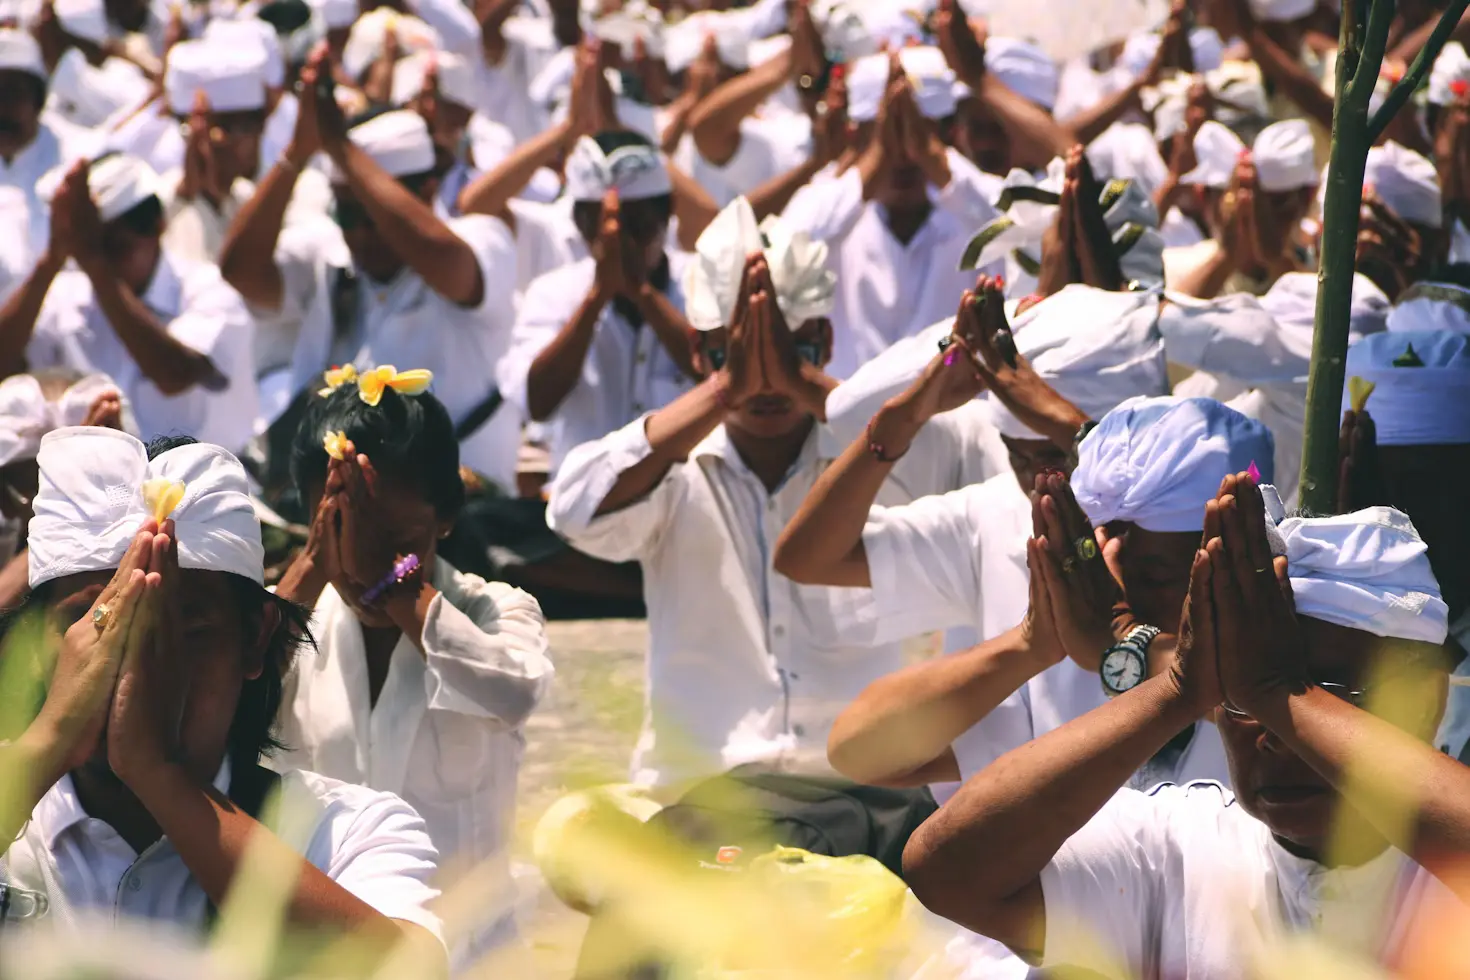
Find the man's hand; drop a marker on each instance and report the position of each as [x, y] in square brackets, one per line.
[952, 379]
[1257, 634]
[306, 138]
[199, 170]
[1452, 151]
[583, 112]
[1389, 250]
[1081, 589]
[808, 53]
[703, 73]
[831, 134]
[105, 412]
[962, 45]
[613, 265]
[1195, 671]
[744, 370]
[921, 141]
[1360, 477]
[63, 235]
[786, 372]
[1093, 242]
[85, 223]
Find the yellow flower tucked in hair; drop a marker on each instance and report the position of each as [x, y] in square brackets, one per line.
[161, 497]
[1358, 391]
[335, 443]
[337, 377]
[370, 384]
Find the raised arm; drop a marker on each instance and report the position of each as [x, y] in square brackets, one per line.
[715, 122]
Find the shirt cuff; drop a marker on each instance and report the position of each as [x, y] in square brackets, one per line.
[498, 671]
[589, 472]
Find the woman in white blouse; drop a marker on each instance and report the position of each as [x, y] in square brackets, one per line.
[423, 675]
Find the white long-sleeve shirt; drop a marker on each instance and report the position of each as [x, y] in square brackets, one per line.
[446, 731]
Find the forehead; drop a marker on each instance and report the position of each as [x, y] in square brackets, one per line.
[198, 586]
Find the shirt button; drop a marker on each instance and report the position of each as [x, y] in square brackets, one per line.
[799, 730]
[135, 884]
[779, 631]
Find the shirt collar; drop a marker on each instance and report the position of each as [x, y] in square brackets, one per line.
[820, 448]
[164, 289]
[60, 809]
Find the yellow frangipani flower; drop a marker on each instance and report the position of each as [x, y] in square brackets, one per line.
[335, 443]
[370, 384]
[1358, 391]
[337, 377]
[161, 497]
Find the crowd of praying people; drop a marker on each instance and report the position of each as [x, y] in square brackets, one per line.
[345, 343]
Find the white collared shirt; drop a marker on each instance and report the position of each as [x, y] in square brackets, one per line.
[199, 309]
[403, 323]
[40, 155]
[887, 290]
[1182, 882]
[446, 731]
[743, 663]
[770, 146]
[627, 371]
[371, 843]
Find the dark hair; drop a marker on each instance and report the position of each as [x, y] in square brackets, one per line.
[144, 218]
[286, 16]
[410, 439]
[252, 730]
[615, 139]
[37, 85]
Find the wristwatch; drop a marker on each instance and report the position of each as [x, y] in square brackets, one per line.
[1125, 663]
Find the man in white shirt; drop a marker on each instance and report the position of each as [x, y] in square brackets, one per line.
[757, 667]
[897, 219]
[389, 283]
[172, 333]
[604, 340]
[151, 820]
[1341, 819]
[28, 147]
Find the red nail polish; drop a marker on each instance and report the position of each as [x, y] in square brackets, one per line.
[1000, 282]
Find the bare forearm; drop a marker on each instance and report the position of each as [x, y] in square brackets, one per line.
[303, 583]
[669, 325]
[673, 432]
[172, 366]
[492, 17]
[247, 257]
[715, 122]
[409, 611]
[1012, 818]
[18, 315]
[1207, 280]
[1090, 123]
[693, 206]
[1288, 73]
[491, 192]
[1023, 120]
[902, 722]
[425, 243]
[554, 372]
[773, 196]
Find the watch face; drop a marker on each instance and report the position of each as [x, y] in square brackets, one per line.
[1122, 670]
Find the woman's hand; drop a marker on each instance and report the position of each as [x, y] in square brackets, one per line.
[1083, 591]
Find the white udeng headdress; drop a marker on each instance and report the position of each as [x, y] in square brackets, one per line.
[805, 287]
[26, 415]
[636, 172]
[98, 486]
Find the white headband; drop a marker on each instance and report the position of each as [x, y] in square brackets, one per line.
[805, 287]
[636, 172]
[98, 486]
[1421, 378]
[1429, 305]
[1368, 570]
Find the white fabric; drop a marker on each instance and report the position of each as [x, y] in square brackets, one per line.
[397, 141]
[20, 52]
[1282, 10]
[770, 145]
[1368, 570]
[1416, 310]
[456, 77]
[118, 183]
[446, 732]
[744, 664]
[887, 289]
[930, 76]
[636, 172]
[26, 415]
[626, 373]
[254, 38]
[1454, 731]
[1283, 154]
[402, 322]
[335, 14]
[1155, 461]
[683, 42]
[1406, 181]
[91, 503]
[371, 843]
[199, 310]
[1128, 150]
[369, 33]
[86, 19]
[195, 229]
[636, 21]
[1452, 65]
[1141, 48]
[88, 96]
[1240, 98]
[232, 78]
[804, 285]
[25, 207]
[1182, 882]
[1415, 406]
[1023, 68]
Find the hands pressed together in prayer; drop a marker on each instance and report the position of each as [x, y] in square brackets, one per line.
[1078, 246]
[76, 227]
[903, 136]
[621, 270]
[761, 355]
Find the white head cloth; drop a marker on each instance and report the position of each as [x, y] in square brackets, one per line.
[1024, 69]
[1429, 305]
[365, 43]
[92, 500]
[118, 182]
[1423, 404]
[335, 14]
[1292, 302]
[20, 52]
[1096, 348]
[843, 32]
[1239, 98]
[456, 78]
[86, 19]
[1407, 182]
[1282, 10]
[936, 90]
[805, 287]
[88, 96]
[1140, 49]
[397, 141]
[1283, 154]
[1156, 461]
[26, 415]
[245, 32]
[232, 77]
[636, 172]
[634, 21]
[1452, 65]
[1368, 570]
[682, 42]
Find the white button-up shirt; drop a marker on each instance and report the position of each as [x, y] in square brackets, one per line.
[743, 663]
[627, 371]
[23, 170]
[199, 309]
[770, 145]
[371, 843]
[446, 731]
[1184, 883]
[887, 290]
[327, 318]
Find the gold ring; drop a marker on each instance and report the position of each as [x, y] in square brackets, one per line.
[101, 616]
[1086, 547]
